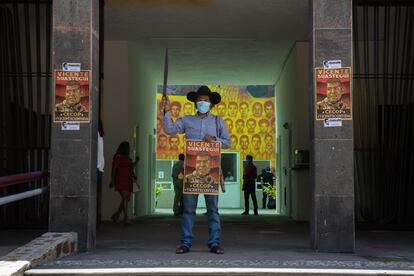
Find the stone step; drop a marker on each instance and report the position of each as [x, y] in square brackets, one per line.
[43, 249]
[213, 271]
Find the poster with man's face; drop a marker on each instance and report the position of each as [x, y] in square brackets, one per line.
[333, 93]
[71, 98]
[202, 168]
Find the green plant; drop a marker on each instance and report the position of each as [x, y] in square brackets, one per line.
[158, 190]
[270, 191]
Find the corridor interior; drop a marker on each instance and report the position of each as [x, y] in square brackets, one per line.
[245, 46]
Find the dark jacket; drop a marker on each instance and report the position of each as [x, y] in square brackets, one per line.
[249, 177]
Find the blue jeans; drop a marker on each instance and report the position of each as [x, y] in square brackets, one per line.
[189, 215]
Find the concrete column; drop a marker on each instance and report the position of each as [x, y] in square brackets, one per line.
[332, 174]
[73, 153]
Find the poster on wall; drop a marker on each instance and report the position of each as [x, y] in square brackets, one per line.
[333, 93]
[71, 96]
[202, 167]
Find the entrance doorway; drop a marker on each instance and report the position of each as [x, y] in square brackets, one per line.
[248, 58]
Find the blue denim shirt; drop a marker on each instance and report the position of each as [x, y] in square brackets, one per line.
[195, 127]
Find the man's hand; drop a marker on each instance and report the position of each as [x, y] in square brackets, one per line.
[209, 138]
[135, 161]
[165, 103]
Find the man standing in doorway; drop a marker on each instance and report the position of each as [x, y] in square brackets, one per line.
[249, 185]
[207, 127]
[178, 177]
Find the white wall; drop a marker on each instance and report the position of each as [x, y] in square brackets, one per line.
[142, 112]
[114, 114]
[301, 138]
[128, 100]
[292, 108]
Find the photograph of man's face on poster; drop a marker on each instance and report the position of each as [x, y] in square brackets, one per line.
[251, 126]
[188, 109]
[221, 109]
[269, 109]
[174, 143]
[175, 110]
[257, 110]
[244, 109]
[72, 101]
[229, 124]
[232, 109]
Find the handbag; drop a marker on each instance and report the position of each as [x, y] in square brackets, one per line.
[136, 188]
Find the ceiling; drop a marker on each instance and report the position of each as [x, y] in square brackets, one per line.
[209, 41]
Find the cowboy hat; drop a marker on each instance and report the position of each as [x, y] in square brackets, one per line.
[215, 97]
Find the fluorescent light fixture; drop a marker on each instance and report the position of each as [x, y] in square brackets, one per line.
[205, 38]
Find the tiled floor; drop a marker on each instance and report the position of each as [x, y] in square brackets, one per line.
[264, 241]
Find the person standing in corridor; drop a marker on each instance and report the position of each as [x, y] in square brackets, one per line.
[267, 181]
[100, 167]
[122, 180]
[178, 177]
[208, 128]
[249, 185]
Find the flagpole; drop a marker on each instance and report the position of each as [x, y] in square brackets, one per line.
[164, 87]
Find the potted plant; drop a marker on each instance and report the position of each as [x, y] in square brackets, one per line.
[158, 190]
[270, 191]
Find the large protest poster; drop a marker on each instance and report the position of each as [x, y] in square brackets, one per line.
[71, 98]
[202, 167]
[333, 93]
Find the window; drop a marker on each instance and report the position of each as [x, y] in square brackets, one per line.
[229, 166]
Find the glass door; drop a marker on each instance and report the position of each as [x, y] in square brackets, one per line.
[230, 165]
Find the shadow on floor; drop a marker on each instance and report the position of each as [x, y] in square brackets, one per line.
[249, 241]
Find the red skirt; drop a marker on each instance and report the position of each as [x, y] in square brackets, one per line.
[123, 187]
[123, 177]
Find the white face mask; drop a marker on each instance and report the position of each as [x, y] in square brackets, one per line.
[203, 106]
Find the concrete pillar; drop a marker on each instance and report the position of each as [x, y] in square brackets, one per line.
[73, 153]
[332, 174]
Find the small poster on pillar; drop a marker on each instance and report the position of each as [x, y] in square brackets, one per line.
[71, 98]
[202, 167]
[333, 93]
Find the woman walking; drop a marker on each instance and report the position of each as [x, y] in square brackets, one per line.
[122, 179]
